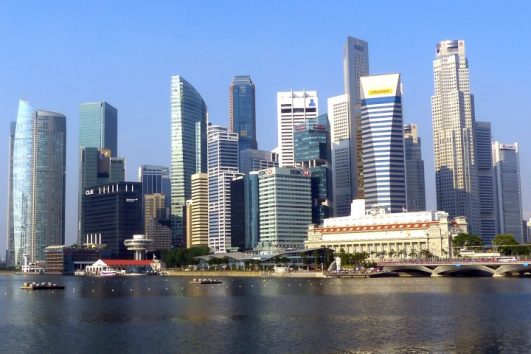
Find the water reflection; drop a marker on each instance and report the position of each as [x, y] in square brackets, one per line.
[159, 314]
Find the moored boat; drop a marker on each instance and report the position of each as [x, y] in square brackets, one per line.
[205, 281]
[41, 286]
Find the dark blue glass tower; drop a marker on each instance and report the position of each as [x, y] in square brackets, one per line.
[242, 111]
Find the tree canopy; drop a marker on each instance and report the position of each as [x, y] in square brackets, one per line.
[179, 257]
[463, 239]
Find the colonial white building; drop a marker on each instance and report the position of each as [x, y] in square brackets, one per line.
[387, 235]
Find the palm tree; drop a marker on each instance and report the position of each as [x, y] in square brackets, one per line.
[391, 253]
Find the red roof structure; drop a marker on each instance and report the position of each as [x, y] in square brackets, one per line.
[126, 262]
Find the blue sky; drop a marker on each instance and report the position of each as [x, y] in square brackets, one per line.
[58, 54]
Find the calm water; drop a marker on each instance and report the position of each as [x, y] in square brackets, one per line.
[264, 315]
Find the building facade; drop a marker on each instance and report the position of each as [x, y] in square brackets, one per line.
[256, 160]
[285, 204]
[383, 142]
[313, 153]
[415, 185]
[98, 126]
[245, 216]
[37, 183]
[343, 154]
[22, 181]
[355, 65]
[156, 180]
[10, 252]
[242, 111]
[156, 221]
[508, 193]
[188, 149]
[222, 168]
[98, 145]
[293, 108]
[49, 171]
[97, 167]
[453, 134]
[199, 217]
[384, 235]
[487, 205]
[113, 211]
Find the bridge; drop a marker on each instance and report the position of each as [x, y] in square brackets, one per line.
[450, 267]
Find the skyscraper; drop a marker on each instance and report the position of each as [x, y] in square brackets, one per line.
[188, 149]
[508, 193]
[98, 126]
[245, 225]
[312, 153]
[222, 169]
[199, 217]
[453, 134]
[49, 166]
[242, 111]
[98, 147]
[22, 181]
[487, 205]
[10, 254]
[416, 190]
[113, 212]
[255, 160]
[293, 108]
[156, 221]
[343, 155]
[96, 167]
[156, 179]
[355, 65]
[383, 142]
[285, 204]
[38, 182]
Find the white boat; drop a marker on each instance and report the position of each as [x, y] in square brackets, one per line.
[80, 272]
[108, 273]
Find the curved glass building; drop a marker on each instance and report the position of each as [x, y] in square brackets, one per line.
[22, 180]
[38, 182]
[188, 149]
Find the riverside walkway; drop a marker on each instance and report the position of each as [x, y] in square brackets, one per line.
[437, 268]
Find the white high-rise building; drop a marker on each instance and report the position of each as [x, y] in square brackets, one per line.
[285, 204]
[293, 108]
[222, 169]
[383, 142]
[454, 134]
[508, 195]
[343, 175]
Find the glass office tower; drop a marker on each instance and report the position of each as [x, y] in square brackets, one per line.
[242, 111]
[98, 126]
[49, 165]
[22, 180]
[188, 149]
[38, 182]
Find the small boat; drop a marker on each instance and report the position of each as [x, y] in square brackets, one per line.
[205, 281]
[80, 272]
[108, 273]
[41, 286]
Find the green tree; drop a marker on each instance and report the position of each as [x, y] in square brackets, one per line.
[463, 239]
[505, 243]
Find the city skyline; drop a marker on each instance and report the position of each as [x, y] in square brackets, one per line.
[151, 124]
